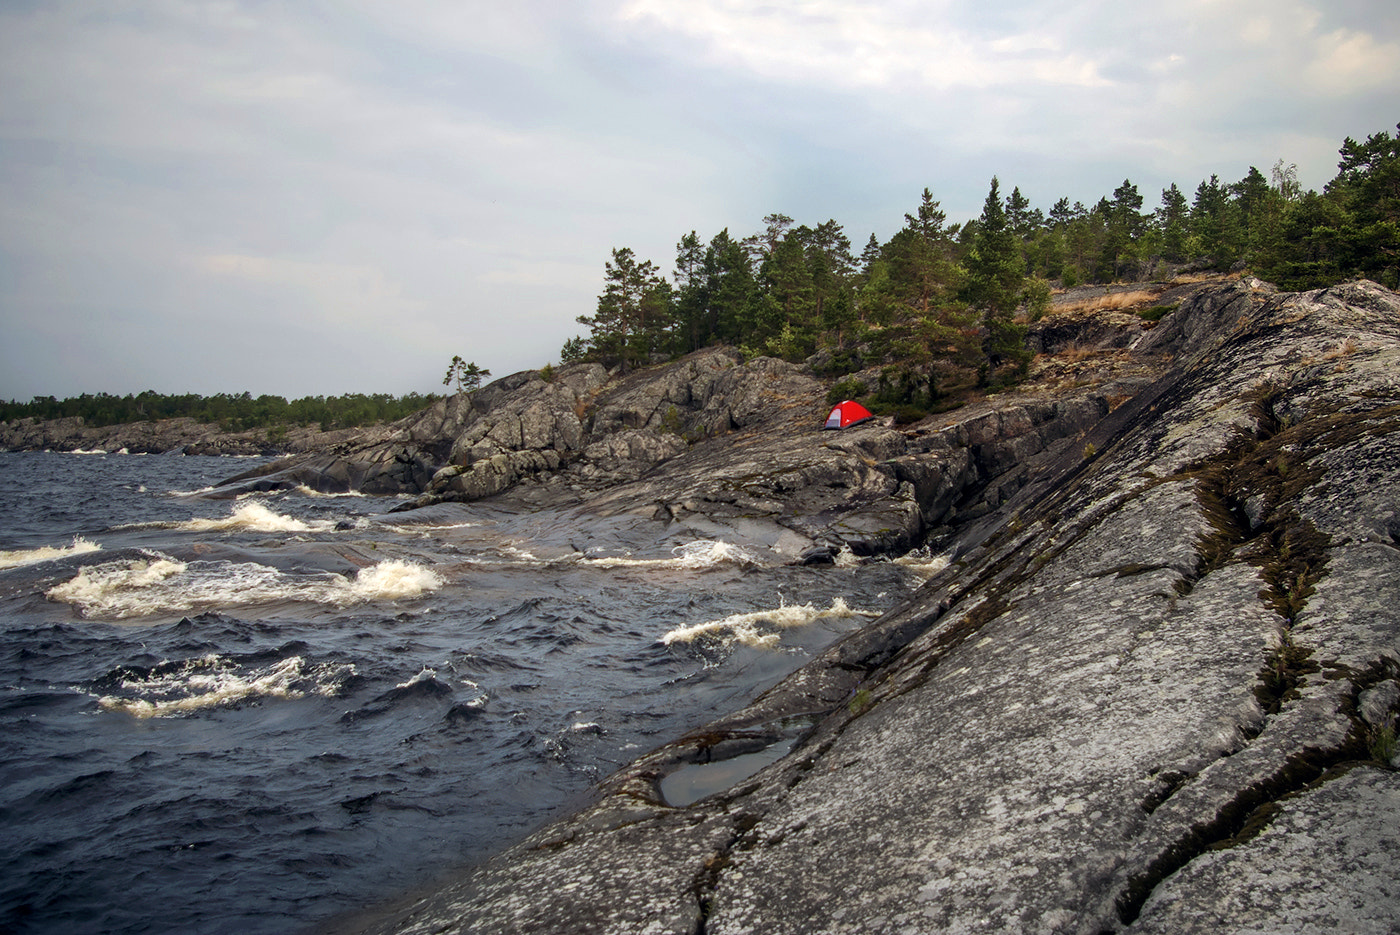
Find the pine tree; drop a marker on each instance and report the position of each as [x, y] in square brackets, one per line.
[1123, 225]
[691, 294]
[995, 282]
[633, 319]
[1368, 186]
[1172, 219]
[1216, 224]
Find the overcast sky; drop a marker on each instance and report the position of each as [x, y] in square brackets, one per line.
[305, 197]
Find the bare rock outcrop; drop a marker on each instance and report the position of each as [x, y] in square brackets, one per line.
[710, 441]
[1155, 689]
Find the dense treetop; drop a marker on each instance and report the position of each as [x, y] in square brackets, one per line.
[939, 304]
[234, 412]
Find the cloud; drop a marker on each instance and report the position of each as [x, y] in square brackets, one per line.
[345, 295]
[860, 45]
[351, 190]
[1348, 62]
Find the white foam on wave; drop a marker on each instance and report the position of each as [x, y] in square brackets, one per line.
[162, 585]
[516, 556]
[424, 530]
[306, 491]
[762, 628]
[923, 562]
[426, 674]
[252, 516]
[79, 546]
[702, 553]
[191, 493]
[214, 681]
[246, 516]
[393, 580]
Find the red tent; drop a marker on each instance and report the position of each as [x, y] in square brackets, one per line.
[846, 414]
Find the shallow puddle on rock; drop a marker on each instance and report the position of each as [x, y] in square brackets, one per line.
[692, 783]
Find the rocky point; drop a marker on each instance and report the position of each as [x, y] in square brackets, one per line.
[1153, 691]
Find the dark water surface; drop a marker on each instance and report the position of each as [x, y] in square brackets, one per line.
[249, 716]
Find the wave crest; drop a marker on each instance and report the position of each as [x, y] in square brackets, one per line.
[923, 562]
[749, 629]
[702, 553]
[247, 516]
[161, 585]
[215, 681]
[79, 546]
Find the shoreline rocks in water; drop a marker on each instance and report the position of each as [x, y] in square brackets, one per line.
[1155, 690]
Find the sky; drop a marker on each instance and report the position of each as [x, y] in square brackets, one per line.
[317, 198]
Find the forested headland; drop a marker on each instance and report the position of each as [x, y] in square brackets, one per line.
[941, 306]
[231, 412]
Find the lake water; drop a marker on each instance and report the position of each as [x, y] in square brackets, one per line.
[252, 715]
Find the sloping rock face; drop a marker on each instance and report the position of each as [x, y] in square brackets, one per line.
[1154, 691]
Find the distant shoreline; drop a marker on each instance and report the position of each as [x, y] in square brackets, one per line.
[180, 435]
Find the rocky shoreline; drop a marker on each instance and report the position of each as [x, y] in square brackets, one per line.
[727, 446]
[1154, 691]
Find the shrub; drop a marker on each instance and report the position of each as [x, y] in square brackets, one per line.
[849, 388]
[1156, 312]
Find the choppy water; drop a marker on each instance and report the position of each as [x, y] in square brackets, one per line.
[250, 716]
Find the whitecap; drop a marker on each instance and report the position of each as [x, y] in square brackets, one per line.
[161, 585]
[214, 681]
[761, 628]
[513, 556]
[246, 516]
[845, 558]
[424, 530]
[191, 493]
[702, 553]
[426, 674]
[392, 580]
[306, 491]
[923, 562]
[253, 516]
[79, 546]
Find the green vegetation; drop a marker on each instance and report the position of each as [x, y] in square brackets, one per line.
[1383, 745]
[468, 376]
[231, 412]
[942, 308]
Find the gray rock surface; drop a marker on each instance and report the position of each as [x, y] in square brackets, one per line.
[725, 447]
[1154, 690]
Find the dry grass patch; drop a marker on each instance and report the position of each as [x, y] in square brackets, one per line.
[1187, 279]
[1347, 348]
[1114, 301]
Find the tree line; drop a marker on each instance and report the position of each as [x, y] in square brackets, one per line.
[232, 412]
[940, 301]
